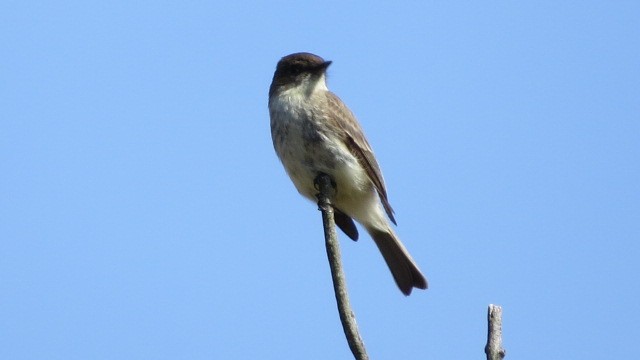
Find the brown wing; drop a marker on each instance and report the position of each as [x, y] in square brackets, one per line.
[359, 147]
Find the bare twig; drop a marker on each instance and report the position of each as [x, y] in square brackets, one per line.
[347, 317]
[494, 349]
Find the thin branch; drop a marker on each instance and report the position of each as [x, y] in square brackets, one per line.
[494, 349]
[347, 317]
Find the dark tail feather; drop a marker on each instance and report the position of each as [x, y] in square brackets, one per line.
[404, 270]
[346, 224]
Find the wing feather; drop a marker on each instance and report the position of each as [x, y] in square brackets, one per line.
[354, 139]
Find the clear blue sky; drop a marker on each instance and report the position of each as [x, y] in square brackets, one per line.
[144, 214]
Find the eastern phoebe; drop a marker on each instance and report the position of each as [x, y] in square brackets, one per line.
[314, 132]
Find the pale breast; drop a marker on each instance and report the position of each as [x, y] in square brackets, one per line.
[306, 148]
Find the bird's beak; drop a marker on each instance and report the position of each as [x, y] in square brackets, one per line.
[325, 65]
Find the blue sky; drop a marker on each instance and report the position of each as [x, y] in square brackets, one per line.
[144, 214]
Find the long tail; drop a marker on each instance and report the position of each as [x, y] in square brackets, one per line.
[404, 270]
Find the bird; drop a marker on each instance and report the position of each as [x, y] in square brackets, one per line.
[315, 133]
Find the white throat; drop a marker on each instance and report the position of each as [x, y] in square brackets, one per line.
[311, 86]
[298, 97]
